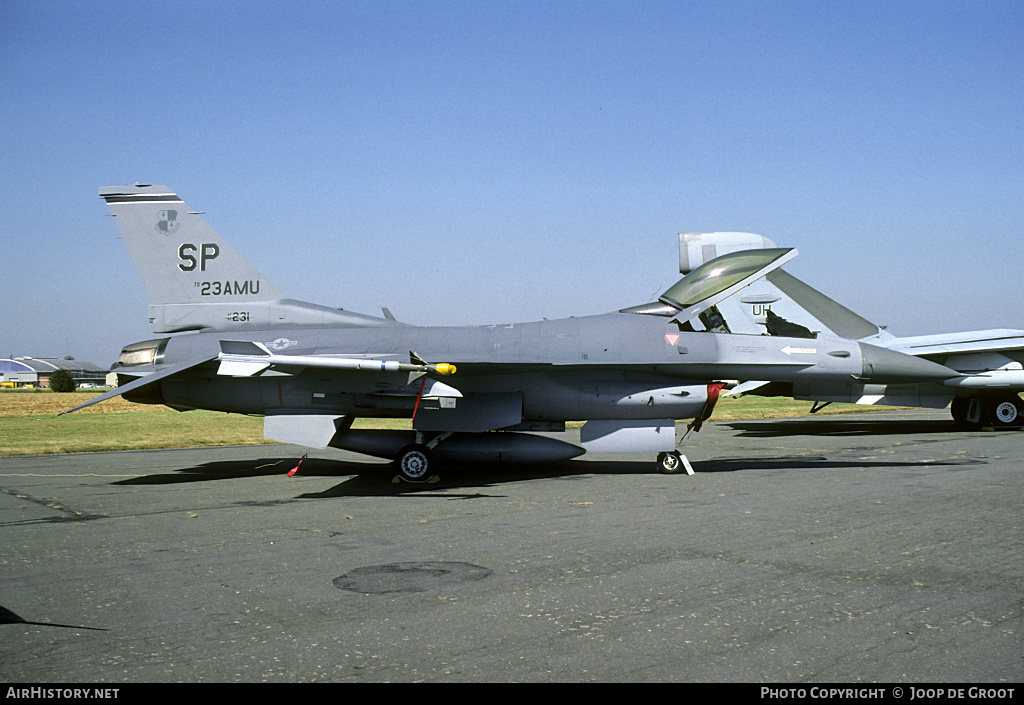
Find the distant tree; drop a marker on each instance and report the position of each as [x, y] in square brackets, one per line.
[62, 381]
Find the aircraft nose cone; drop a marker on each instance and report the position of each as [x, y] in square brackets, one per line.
[881, 365]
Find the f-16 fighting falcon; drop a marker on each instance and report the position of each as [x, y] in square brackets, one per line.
[233, 342]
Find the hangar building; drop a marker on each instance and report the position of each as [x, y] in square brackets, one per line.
[36, 371]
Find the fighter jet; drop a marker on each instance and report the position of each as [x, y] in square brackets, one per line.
[234, 342]
[990, 362]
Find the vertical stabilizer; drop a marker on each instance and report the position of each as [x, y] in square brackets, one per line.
[196, 280]
[181, 259]
[830, 313]
[697, 248]
[778, 303]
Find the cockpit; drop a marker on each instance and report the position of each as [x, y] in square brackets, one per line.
[695, 295]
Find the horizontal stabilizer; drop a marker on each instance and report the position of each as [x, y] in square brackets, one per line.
[140, 383]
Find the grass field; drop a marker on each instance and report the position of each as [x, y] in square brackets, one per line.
[29, 424]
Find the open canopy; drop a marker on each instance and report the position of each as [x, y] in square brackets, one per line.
[714, 281]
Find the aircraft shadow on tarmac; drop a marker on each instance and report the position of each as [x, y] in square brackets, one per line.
[9, 617]
[263, 467]
[376, 484]
[835, 426]
[808, 462]
[374, 479]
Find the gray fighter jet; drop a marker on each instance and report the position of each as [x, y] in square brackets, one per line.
[234, 342]
[990, 362]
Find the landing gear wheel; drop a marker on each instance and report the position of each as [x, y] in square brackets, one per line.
[1007, 412]
[958, 409]
[670, 463]
[416, 463]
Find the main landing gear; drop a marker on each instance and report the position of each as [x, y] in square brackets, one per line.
[417, 461]
[1008, 413]
[1000, 412]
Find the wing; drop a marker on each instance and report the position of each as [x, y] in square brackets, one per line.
[972, 342]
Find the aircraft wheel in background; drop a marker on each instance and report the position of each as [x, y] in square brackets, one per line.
[958, 409]
[1006, 412]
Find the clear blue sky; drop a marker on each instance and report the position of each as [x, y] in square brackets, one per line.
[488, 161]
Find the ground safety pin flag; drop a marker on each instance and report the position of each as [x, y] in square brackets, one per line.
[291, 473]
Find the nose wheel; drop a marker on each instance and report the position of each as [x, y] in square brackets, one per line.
[673, 463]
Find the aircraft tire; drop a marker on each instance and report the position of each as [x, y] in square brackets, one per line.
[1006, 412]
[958, 410]
[670, 463]
[416, 463]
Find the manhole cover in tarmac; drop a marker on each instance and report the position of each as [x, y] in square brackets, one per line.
[414, 576]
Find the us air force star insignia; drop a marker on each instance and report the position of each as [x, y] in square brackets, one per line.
[282, 344]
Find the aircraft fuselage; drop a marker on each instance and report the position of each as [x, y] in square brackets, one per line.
[615, 365]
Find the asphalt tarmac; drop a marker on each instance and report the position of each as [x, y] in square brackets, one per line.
[880, 547]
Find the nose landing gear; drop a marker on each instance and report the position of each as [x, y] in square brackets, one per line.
[673, 462]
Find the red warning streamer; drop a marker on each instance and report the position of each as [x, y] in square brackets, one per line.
[418, 397]
[291, 473]
[714, 389]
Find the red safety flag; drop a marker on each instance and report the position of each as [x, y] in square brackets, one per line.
[418, 397]
[714, 390]
[291, 473]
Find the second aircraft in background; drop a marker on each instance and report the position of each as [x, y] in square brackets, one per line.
[990, 363]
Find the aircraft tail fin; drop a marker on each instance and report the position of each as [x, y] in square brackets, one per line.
[781, 304]
[196, 280]
[697, 248]
[820, 308]
[181, 259]
[778, 303]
